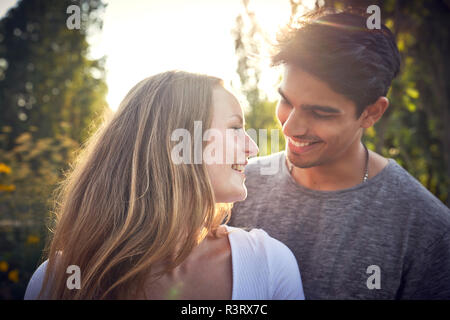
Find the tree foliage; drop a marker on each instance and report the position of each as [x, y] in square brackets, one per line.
[248, 37]
[51, 98]
[46, 78]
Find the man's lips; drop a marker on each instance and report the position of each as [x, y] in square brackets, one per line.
[301, 146]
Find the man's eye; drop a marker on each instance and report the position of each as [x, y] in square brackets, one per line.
[283, 101]
[321, 116]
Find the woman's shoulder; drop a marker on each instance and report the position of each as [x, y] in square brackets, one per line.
[259, 241]
[268, 258]
[35, 283]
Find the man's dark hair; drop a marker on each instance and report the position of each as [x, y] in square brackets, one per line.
[340, 50]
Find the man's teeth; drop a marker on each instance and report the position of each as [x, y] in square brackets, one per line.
[238, 167]
[301, 144]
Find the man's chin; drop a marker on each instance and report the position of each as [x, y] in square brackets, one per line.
[301, 163]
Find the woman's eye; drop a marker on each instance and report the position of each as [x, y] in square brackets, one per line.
[236, 128]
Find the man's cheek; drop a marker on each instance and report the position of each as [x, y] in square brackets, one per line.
[330, 130]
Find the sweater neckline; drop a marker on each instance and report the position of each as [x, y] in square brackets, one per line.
[369, 183]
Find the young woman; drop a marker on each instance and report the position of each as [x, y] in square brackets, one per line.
[141, 224]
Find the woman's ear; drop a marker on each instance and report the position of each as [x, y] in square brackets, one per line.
[373, 112]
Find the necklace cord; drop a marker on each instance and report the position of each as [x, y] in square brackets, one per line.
[366, 168]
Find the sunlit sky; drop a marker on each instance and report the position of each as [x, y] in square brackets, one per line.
[142, 37]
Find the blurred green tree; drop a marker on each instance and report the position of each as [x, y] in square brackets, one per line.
[260, 115]
[52, 96]
[46, 77]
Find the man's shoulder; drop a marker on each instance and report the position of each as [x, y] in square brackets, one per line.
[410, 194]
[409, 187]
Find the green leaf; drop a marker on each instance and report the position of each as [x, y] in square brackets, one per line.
[413, 93]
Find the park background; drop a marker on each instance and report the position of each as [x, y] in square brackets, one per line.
[55, 83]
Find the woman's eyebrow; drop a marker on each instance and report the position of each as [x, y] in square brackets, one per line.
[238, 116]
[311, 106]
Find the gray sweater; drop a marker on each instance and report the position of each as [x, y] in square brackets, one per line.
[388, 238]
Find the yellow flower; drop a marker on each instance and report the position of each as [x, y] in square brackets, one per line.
[4, 187]
[13, 275]
[4, 266]
[32, 239]
[7, 129]
[4, 168]
[370, 132]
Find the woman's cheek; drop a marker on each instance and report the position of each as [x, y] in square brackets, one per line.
[229, 149]
[216, 176]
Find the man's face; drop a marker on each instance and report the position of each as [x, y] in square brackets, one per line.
[319, 124]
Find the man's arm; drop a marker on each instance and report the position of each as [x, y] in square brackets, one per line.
[429, 275]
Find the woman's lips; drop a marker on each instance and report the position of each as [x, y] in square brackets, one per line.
[239, 168]
[300, 148]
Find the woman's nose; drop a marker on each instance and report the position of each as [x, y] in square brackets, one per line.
[251, 149]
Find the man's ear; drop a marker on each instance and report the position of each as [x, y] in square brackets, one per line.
[373, 112]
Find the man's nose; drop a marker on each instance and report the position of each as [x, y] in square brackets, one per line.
[295, 125]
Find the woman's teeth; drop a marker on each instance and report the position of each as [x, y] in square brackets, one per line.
[301, 144]
[238, 167]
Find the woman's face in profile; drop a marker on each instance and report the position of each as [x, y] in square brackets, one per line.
[228, 149]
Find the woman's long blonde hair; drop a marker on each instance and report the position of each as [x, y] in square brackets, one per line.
[125, 207]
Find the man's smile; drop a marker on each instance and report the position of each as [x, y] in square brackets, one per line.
[301, 147]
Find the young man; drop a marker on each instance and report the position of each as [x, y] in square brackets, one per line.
[360, 226]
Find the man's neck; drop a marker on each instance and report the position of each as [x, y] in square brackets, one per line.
[343, 173]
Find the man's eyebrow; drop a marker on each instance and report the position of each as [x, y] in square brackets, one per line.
[320, 108]
[283, 96]
[311, 106]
